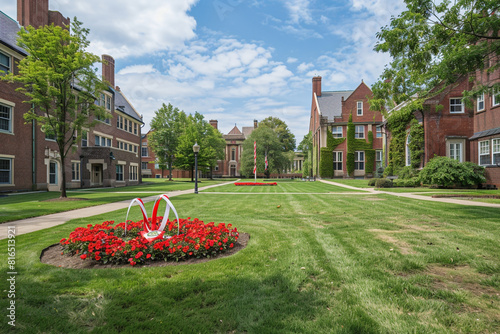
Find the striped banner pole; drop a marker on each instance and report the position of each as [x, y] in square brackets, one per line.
[255, 160]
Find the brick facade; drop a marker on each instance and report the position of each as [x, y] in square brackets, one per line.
[110, 155]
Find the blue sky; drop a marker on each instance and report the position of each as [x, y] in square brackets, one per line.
[234, 60]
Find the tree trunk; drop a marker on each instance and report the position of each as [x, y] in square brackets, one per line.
[63, 181]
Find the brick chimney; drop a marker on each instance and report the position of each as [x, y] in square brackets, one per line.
[255, 124]
[36, 13]
[317, 86]
[108, 69]
[214, 123]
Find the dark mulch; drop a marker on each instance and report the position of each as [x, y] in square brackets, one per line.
[52, 255]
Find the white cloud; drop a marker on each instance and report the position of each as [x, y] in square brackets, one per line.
[304, 67]
[132, 27]
[291, 60]
[137, 69]
[299, 11]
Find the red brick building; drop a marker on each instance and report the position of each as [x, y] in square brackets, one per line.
[108, 154]
[330, 111]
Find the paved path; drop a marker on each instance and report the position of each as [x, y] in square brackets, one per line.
[419, 197]
[39, 223]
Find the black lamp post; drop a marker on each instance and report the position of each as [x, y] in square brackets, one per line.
[196, 149]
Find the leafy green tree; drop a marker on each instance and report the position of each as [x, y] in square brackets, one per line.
[166, 128]
[212, 144]
[433, 44]
[285, 136]
[306, 146]
[60, 82]
[267, 141]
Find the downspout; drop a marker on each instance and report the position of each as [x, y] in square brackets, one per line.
[33, 153]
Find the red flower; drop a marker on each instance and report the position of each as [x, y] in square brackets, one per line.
[231, 245]
[138, 255]
[97, 258]
[148, 256]
[83, 256]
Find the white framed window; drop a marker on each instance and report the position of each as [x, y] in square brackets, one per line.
[456, 106]
[480, 102]
[337, 160]
[455, 151]
[359, 160]
[359, 131]
[337, 131]
[378, 159]
[379, 131]
[102, 141]
[144, 151]
[84, 138]
[495, 143]
[133, 173]
[5, 118]
[495, 99]
[484, 153]
[108, 103]
[5, 170]
[135, 128]
[359, 108]
[75, 171]
[119, 172]
[53, 172]
[5, 63]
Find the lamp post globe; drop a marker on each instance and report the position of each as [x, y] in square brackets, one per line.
[196, 149]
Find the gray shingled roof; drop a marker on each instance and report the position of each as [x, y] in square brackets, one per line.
[124, 106]
[485, 133]
[330, 103]
[8, 32]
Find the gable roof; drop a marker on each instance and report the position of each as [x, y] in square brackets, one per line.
[330, 103]
[8, 33]
[123, 105]
[235, 131]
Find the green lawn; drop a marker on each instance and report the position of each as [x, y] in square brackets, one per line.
[295, 186]
[318, 264]
[20, 206]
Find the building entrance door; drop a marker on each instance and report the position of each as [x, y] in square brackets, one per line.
[233, 171]
[96, 178]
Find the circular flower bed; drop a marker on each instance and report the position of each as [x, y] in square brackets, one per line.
[106, 243]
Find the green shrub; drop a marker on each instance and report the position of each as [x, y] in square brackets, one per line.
[446, 172]
[407, 183]
[407, 172]
[326, 163]
[383, 183]
[371, 182]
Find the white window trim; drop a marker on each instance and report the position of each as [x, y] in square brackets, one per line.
[10, 61]
[355, 132]
[336, 133]
[479, 151]
[493, 152]
[356, 157]
[494, 100]
[79, 170]
[12, 159]
[454, 142]
[358, 108]
[341, 161]
[9, 105]
[461, 104]
[480, 99]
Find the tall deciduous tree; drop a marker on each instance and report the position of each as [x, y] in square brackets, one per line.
[166, 127]
[284, 134]
[211, 143]
[59, 79]
[267, 142]
[433, 43]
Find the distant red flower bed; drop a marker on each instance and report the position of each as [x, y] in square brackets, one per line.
[255, 184]
[106, 243]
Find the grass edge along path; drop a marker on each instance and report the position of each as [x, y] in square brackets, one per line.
[42, 222]
[317, 264]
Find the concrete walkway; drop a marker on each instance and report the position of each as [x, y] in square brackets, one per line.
[419, 197]
[39, 223]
